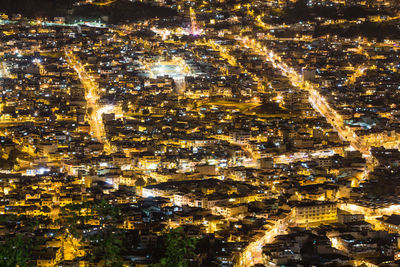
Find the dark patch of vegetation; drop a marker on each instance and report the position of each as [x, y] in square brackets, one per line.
[15, 251]
[124, 10]
[371, 30]
[106, 243]
[301, 12]
[117, 12]
[179, 249]
[36, 8]
[384, 182]
[11, 161]
[6, 164]
[269, 107]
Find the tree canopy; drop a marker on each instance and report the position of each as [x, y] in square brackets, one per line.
[15, 251]
[179, 249]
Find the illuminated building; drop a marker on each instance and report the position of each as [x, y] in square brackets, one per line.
[391, 223]
[314, 213]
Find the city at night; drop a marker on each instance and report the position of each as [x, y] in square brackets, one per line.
[170, 133]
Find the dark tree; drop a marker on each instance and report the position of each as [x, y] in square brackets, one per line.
[15, 251]
[140, 182]
[179, 249]
[107, 243]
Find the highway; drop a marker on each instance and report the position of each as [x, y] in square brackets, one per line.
[252, 254]
[95, 111]
[106, 3]
[91, 96]
[317, 101]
